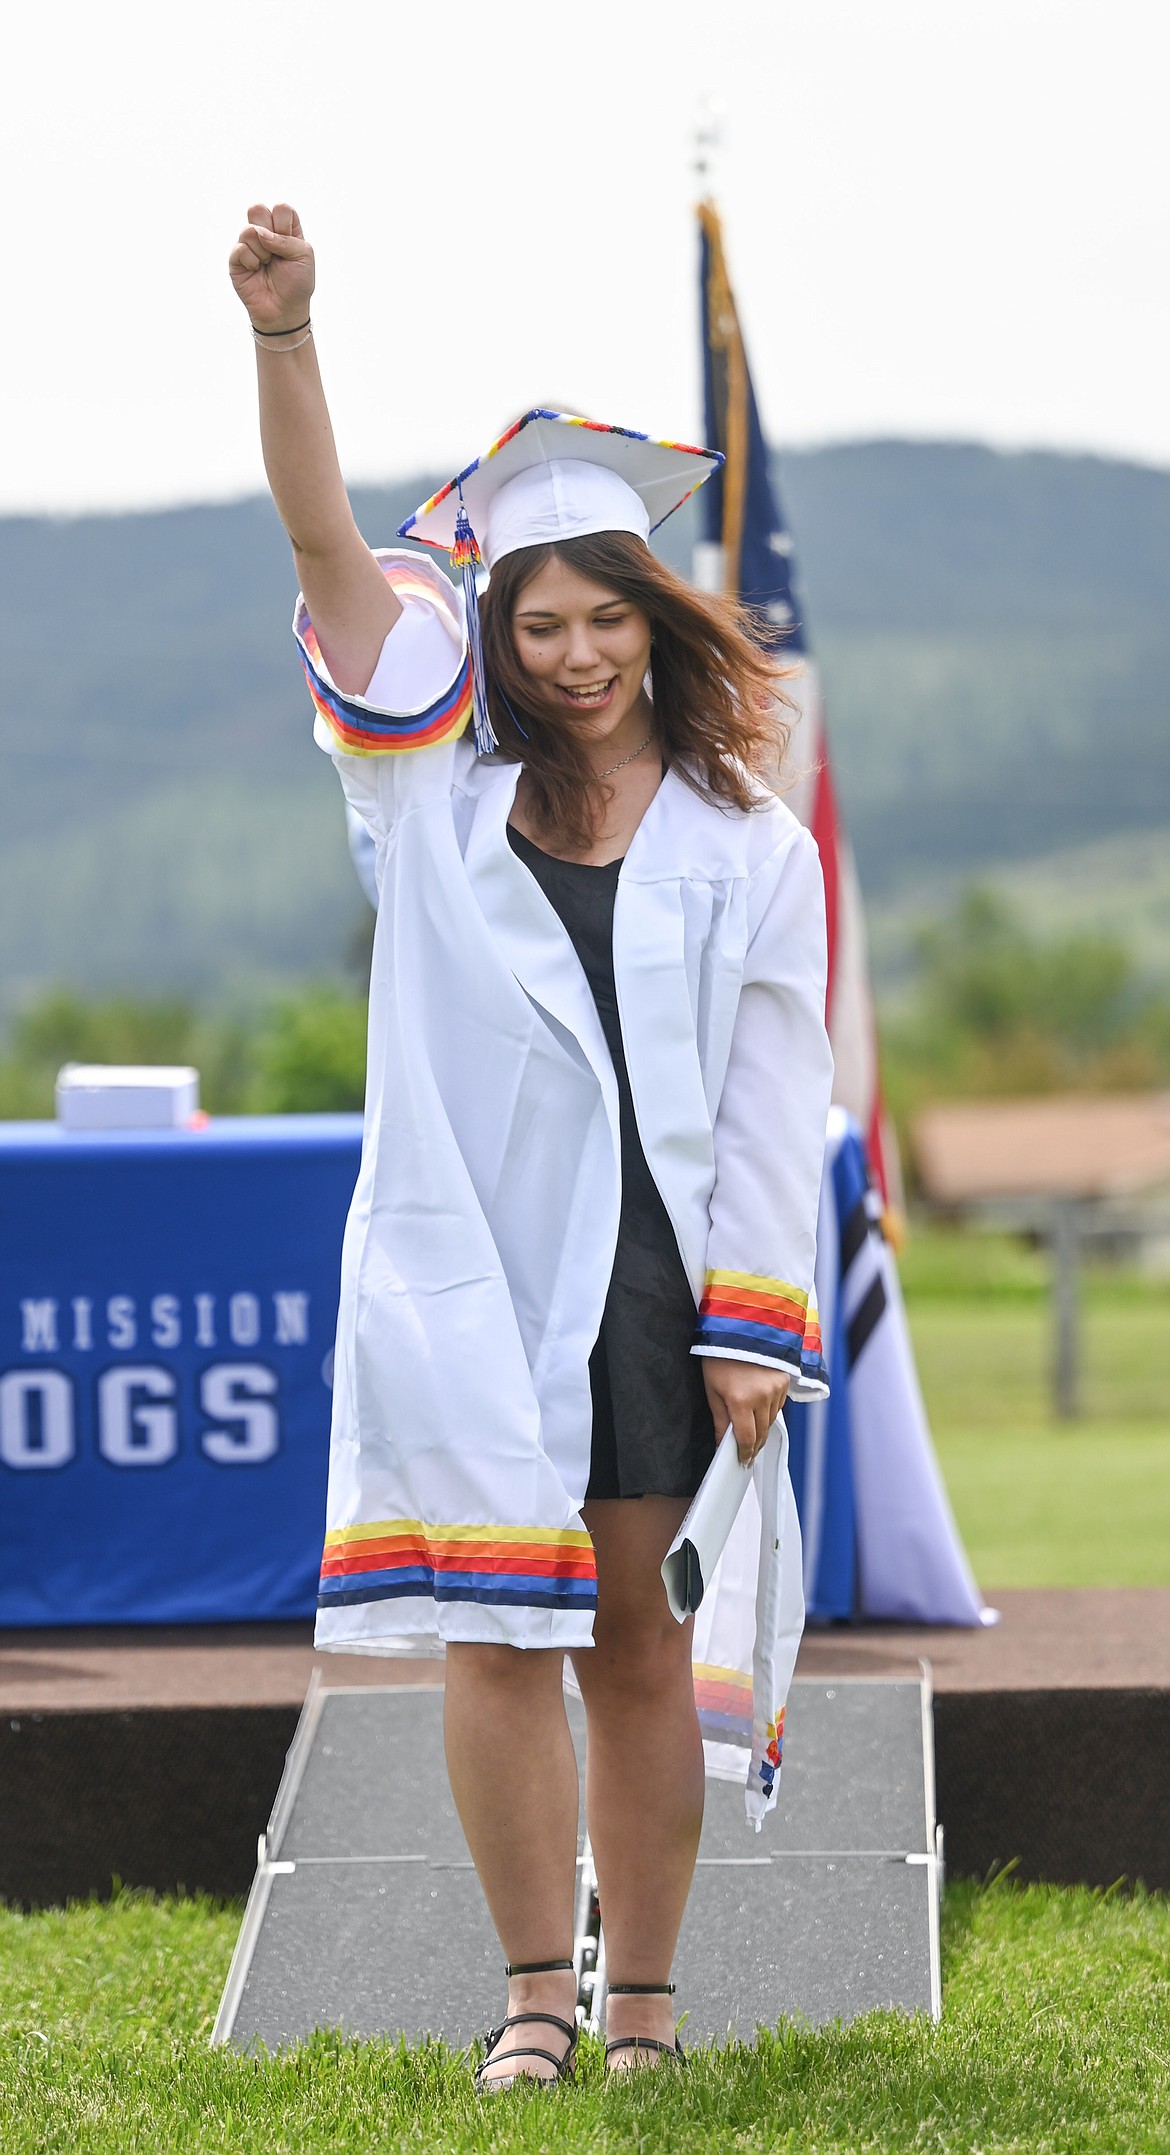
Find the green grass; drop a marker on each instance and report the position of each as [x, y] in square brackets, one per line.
[1055, 2037]
[1037, 1509]
[1042, 1503]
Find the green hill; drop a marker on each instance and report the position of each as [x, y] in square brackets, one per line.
[995, 636]
[993, 632]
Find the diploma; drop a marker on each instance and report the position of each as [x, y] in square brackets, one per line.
[690, 1561]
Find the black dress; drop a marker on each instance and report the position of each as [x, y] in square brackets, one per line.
[653, 1433]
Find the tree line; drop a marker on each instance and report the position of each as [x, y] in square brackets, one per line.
[994, 1009]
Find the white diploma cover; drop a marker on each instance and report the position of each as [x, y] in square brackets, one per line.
[689, 1564]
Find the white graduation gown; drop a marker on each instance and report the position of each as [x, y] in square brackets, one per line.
[481, 1237]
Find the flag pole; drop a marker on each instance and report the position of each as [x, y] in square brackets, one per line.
[748, 552]
[721, 565]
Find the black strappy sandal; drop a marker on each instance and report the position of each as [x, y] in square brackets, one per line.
[637, 2043]
[564, 2064]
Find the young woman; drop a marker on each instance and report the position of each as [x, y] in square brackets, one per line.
[581, 1246]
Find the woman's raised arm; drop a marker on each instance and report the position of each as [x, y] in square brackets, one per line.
[352, 606]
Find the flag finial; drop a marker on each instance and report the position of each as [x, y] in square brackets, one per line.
[709, 137]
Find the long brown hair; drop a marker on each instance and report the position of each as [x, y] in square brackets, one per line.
[715, 686]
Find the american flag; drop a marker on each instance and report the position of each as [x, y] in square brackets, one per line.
[748, 549]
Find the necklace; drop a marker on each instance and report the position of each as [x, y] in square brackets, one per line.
[631, 758]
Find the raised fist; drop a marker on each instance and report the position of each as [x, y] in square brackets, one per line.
[272, 267]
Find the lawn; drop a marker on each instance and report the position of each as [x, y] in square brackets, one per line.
[1055, 2037]
[1056, 2029]
[1038, 1502]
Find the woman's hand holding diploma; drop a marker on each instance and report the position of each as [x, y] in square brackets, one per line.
[747, 1397]
[352, 606]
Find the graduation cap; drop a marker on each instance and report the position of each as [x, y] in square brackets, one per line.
[550, 477]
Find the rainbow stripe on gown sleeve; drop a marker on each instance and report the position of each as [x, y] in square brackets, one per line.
[747, 1317]
[358, 728]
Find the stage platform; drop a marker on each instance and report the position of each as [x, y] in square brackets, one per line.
[153, 1756]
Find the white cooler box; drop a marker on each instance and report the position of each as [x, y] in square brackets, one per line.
[114, 1096]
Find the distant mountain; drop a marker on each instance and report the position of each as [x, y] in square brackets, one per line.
[994, 634]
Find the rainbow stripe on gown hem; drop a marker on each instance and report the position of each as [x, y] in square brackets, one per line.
[517, 1566]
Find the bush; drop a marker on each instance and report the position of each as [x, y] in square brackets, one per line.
[311, 1057]
[306, 1052]
[999, 1011]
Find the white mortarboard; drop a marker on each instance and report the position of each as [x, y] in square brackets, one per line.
[550, 477]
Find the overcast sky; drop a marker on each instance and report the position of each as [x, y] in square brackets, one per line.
[945, 218]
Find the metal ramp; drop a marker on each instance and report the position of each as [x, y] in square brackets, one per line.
[834, 1908]
[365, 1913]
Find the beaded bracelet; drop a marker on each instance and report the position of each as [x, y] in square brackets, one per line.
[275, 348]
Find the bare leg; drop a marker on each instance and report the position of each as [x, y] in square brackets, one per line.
[645, 1770]
[514, 1779]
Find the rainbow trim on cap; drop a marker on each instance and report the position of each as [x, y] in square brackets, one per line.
[712, 459]
[357, 727]
[746, 1312]
[390, 1559]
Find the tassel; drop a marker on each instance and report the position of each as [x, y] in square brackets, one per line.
[465, 557]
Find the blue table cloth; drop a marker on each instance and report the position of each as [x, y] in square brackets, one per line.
[168, 1303]
[167, 1309]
